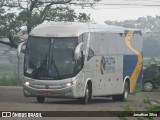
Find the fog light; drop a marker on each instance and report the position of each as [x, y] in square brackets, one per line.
[26, 83]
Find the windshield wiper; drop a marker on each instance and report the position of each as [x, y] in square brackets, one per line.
[53, 63]
[52, 60]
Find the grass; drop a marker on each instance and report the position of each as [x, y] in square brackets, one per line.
[8, 75]
[10, 81]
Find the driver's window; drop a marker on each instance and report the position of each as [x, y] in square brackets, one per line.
[90, 54]
[80, 62]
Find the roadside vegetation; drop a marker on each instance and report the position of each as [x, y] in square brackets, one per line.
[150, 105]
[10, 81]
[9, 77]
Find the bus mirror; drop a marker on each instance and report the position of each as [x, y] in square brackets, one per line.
[78, 50]
[20, 48]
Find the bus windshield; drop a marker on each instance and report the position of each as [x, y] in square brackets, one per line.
[50, 58]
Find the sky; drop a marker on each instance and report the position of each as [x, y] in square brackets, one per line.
[122, 10]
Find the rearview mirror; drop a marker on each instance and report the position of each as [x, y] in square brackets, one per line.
[78, 50]
[19, 49]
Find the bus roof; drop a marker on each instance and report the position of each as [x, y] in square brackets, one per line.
[73, 29]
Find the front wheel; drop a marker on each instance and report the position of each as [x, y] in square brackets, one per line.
[40, 99]
[87, 97]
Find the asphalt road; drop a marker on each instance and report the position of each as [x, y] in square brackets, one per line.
[12, 99]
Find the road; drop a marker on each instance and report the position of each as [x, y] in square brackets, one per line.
[12, 99]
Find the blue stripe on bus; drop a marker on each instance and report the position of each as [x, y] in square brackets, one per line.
[129, 64]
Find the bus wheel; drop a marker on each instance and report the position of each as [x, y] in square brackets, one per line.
[124, 96]
[86, 98]
[40, 99]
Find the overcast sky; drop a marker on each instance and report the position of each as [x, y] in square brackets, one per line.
[123, 9]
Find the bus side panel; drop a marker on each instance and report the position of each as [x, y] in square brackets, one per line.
[111, 75]
[129, 68]
[129, 63]
[106, 74]
[137, 38]
[133, 60]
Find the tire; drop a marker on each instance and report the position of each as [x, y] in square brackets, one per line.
[124, 96]
[40, 99]
[148, 86]
[87, 97]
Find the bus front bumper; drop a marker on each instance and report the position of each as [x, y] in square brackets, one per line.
[67, 92]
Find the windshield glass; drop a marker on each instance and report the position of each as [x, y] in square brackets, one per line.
[50, 58]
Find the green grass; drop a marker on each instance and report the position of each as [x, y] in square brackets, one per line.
[8, 75]
[10, 81]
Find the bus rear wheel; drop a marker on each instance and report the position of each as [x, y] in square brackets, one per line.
[124, 96]
[40, 99]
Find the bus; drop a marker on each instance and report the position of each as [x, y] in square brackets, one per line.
[81, 61]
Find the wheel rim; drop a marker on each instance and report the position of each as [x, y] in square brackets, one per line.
[148, 86]
[87, 95]
[125, 94]
[126, 91]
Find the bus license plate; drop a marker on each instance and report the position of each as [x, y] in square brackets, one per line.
[46, 93]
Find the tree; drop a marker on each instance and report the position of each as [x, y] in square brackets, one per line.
[9, 26]
[151, 46]
[34, 12]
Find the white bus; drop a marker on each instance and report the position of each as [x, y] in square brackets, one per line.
[80, 60]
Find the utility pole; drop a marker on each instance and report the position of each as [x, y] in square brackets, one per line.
[18, 69]
[18, 56]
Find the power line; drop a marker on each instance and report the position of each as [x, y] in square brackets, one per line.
[130, 5]
[99, 6]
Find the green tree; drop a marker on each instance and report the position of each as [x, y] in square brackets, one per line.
[34, 12]
[9, 26]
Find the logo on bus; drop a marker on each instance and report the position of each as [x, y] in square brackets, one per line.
[47, 87]
[107, 64]
[102, 65]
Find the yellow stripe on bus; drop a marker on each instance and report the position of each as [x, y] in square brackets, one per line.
[136, 72]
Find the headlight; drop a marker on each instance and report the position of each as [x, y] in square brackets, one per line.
[73, 82]
[26, 83]
[68, 84]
